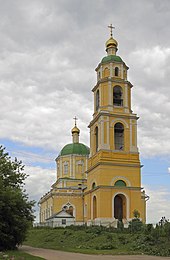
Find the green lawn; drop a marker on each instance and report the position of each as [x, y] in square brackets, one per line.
[17, 255]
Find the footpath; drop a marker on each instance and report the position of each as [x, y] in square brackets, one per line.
[49, 254]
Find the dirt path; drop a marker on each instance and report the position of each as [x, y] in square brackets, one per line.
[50, 254]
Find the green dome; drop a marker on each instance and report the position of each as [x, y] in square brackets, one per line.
[111, 58]
[75, 148]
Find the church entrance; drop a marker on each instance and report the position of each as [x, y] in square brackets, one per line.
[120, 207]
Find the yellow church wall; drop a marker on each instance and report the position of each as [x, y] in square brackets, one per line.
[109, 174]
[46, 209]
[66, 183]
[75, 201]
[105, 202]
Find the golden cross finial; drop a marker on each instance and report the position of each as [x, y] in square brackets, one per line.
[111, 29]
[75, 118]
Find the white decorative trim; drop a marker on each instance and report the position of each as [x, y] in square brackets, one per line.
[70, 166]
[102, 133]
[93, 181]
[74, 167]
[111, 69]
[128, 183]
[125, 98]
[131, 135]
[108, 135]
[110, 94]
[121, 71]
[119, 120]
[61, 167]
[94, 195]
[70, 204]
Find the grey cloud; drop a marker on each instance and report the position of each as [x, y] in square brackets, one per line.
[48, 53]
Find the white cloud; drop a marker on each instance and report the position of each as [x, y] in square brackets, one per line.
[48, 52]
[150, 73]
[158, 205]
[38, 183]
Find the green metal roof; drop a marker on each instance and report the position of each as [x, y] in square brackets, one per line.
[111, 58]
[75, 148]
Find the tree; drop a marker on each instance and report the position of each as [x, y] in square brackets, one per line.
[135, 225]
[16, 211]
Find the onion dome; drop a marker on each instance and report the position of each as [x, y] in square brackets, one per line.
[111, 58]
[111, 46]
[111, 42]
[75, 130]
[75, 148]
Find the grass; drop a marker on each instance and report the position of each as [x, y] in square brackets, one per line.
[97, 240]
[17, 255]
[89, 241]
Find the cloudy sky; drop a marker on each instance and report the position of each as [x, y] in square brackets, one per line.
[48, 53]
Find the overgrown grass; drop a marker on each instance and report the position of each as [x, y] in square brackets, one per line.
[99, 240]
[18, 255]
[93, 241]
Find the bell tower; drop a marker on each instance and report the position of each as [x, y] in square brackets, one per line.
[113, 176]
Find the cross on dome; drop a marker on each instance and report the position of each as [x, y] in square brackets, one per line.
[75, 118]
[111, 29]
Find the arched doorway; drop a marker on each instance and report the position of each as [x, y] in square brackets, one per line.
[120, 207]
[94, 207]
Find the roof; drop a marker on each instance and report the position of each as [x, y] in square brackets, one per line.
[75, 148]
[111, 58]
[61, 214]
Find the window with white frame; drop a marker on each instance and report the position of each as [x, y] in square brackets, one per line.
[65, 167]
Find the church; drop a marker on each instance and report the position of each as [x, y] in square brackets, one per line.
[100, 185]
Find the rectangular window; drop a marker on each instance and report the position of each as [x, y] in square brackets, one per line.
[65, 168]
[63, 221]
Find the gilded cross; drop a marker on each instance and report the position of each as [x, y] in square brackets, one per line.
[111, 29]
[75, 118]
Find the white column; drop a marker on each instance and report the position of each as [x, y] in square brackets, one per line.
[61, 167]
[110, 94]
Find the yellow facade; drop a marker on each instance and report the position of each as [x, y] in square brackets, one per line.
[105, 185]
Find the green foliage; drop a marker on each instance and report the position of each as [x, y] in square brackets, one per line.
[18, 255]
[135, 225]
[102, 240]
[167, 230]
[15, 210]
[136, 213]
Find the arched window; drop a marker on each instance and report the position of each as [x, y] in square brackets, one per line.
[93, 185]
[119, 136]
[97, 99]
[96, 138]
[117, 96]
[94, 207]
[65, 167]
[99, 74]
[68, 208]
[106, 73]
[116, 71]
[120, 183]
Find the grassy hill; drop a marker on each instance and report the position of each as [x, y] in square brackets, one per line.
[138, 239]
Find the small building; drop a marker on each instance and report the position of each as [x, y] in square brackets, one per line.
[60, 219]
